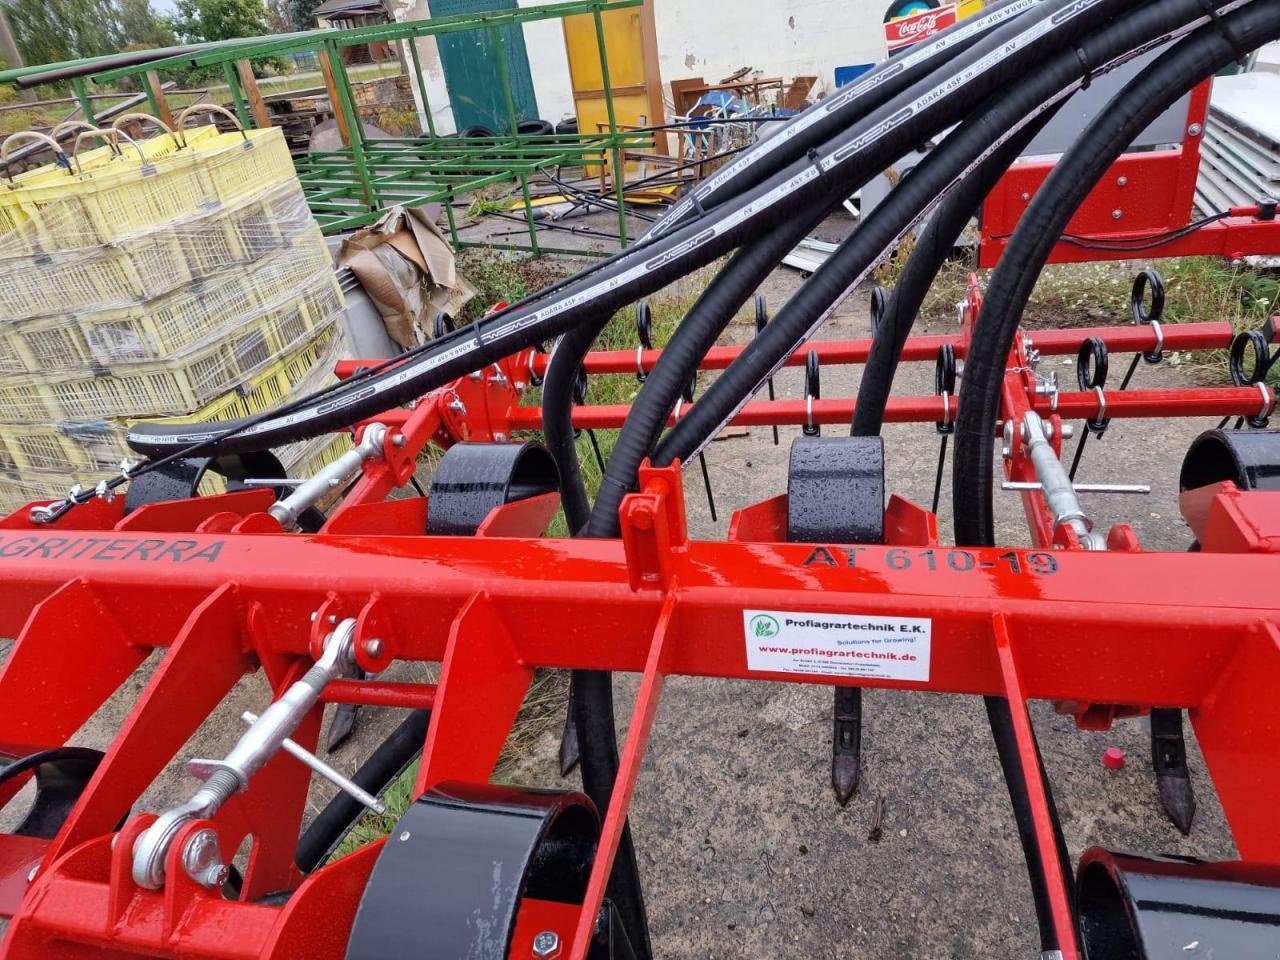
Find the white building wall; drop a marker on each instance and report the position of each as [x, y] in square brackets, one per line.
[706, 38]
[777, 38]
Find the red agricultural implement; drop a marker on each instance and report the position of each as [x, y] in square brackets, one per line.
[255, 580]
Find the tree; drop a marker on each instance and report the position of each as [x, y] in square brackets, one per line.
[140, 28]
[198, 20]
[48, 31]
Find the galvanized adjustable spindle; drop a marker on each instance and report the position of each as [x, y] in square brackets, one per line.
[267, 734]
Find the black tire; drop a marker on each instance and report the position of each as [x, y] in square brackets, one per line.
[569, 126]
[477, 131]
[534, 128]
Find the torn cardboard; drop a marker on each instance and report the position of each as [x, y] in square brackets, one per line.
[407, 268]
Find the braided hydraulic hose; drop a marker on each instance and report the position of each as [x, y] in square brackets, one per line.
[932, 247]
[825, 175]
[1226, 39]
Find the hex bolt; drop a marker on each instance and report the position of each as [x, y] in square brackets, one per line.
[202, 860]
[546, 944]
[373, 647]
[1117, 214]
[1122, 181]
[1194, 130]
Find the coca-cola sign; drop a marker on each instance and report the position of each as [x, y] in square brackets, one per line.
[909, 30]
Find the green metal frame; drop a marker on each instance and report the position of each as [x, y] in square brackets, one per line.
[352, 187]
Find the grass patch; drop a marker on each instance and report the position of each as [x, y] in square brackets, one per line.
[542, 710]
[1097, 294]
[498, 276]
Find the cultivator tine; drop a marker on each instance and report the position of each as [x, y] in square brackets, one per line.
[762, 319]
[343, 723]
[944, 385]
[579, 399]
[846, 743]
[702, 458]
[1169, 758]
[569, 754]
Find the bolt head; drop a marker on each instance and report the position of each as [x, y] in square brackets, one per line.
[1194, 130]
[373, 647]
[546, 944]
[1122, 181]
[202, 860]
[1117, 214]
[499, 438]
[398, 440]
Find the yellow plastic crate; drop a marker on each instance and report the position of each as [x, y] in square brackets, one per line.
[245, 163]
[103, 278]
[174, 323]
[125, 197]
[178, 385]
[93, 448]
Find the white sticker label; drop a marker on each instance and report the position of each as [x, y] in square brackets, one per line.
[837, 644]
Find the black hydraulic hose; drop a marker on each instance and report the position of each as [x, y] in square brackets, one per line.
[994, 62]
[950, 160]
[933, 245]
[557, 423]
[1210, 48]
[679, 360]
[385, 764]
[819, 122]
[1055, 76]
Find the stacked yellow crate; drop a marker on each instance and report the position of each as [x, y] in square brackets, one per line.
[181, 276]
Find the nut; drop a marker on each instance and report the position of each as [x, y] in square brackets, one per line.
[546, 945]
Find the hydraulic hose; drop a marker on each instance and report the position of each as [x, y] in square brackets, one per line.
[819, 122]
[961, 150]
[933, 245]
[1207, 50]
[887, 132]
[592, 690]
[557, 423]
[679, 360]
[1058, 76]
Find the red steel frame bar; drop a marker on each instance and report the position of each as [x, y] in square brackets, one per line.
[1060, 624]
[1142, 194]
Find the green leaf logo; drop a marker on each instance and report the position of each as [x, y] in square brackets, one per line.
[764, 626]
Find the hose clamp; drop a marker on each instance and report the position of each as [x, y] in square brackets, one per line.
[1100, 422]
[1268, 406]
[1156, 355]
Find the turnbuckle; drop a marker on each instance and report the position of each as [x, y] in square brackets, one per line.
[266, 735]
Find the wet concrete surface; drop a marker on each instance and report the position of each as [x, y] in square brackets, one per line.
[744, 851]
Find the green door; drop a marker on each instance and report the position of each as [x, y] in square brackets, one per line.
[472, 72]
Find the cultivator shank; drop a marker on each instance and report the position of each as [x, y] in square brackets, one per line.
[220, 584]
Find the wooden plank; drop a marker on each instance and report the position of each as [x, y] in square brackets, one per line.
[155, 90]
[335, 103]
[261, 118]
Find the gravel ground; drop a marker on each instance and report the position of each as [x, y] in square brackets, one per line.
[743, 849]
